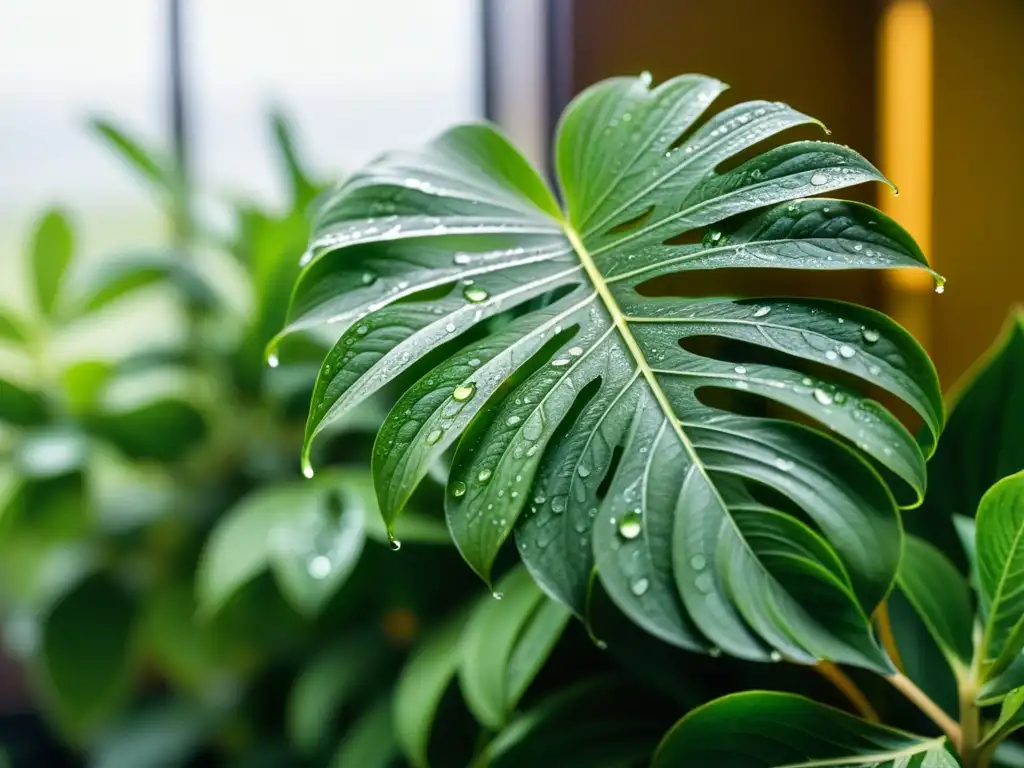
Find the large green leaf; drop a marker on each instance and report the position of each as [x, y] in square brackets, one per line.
[982, 442]
[999, 541]
[559, 363]
[777, 730]
[942, 597]
[53, 245]
[504, 646]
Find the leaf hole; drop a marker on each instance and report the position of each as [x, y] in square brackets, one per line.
[613, 466]
[687, 237]
[630, 224]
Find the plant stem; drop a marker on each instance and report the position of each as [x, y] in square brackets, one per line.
[849, 689]
[884, 625]
[935, 713]
[970, 728]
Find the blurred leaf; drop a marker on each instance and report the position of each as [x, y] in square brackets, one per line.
[1011, 718]
[764, 730]
[12, 328]
[1009, 755]
[923, 661]
[414, 527]
[87, 653]
[422, 684]
[178, 643]
[158, 171]
[582, 727]
[239, 547]
[52, 247]
[302, 188]
[965, 532]
[942, 598]
[164, 430]
[161, 736]
[980, 444]
[505, 644]
[370, 742]
[315, 546]
[51, 452]
[82, 383]
[1000, 557]
[20, 406]
[330, 681]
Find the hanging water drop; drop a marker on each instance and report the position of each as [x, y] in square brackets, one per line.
[775, 656]
[940, 288]
[319, 567]
[463, 392]
[272, 360]
[629, 526]
[307, 472]
[394, 543]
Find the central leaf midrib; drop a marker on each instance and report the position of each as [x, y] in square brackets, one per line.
[620, 323]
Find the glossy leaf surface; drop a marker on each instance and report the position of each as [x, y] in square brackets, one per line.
[578, 403]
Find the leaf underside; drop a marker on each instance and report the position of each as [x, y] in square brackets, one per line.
[581, 408]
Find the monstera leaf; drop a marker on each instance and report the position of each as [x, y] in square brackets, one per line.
[580, 404]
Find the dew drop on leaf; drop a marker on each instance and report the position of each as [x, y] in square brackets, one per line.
[762, 311]
[639, 587]
[368, 278]
[513, 420]
[583, 471]
[847, 351]
[484, 475]
[714, 651]
[433, 437]
[474, 294]
[697, 562]
[819, 179]
[362, 330]
[831, 355]
[458, 489]
[498, 595]
[784, 464]
[575, 351]
[775, 656]
[629, 526]
[822, 396]
[464, 392]
[870, 335]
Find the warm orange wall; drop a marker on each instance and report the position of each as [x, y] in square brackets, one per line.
[979, 174]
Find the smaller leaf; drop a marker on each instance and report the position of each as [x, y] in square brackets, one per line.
[1011, 718]
[158, 171]
[505, 644]
[370, 742]
[315, 547]
[118, 278]
[942, 598]
[770, 730]
[156, 737]
[303, 189]
[1000, 559]
[20, 406]
[420, 688]
[83, 383]
[52, 247]
[87, 652]
[12, 328]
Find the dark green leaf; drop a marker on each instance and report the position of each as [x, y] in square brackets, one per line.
[1000, 559]
[421, 251]
[53, 245]
[505, 644]
[777, 730]
[421, 686]
[164, 430]
[942, 598]
[20, 406]
[86, 653]
[1011, 718]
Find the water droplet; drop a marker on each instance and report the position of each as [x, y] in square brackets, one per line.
[740, 369]
[319, 567]
[822, 396]
[870, 335]
[819, 179]
[704, 582]
[474, 363]
[458, 489]
[639, 587]
[806, 381]
[940, 288]
[629, 526]
[558, 505]
[368, 278]
[775, 656]
[560, 362]
[498, 595]
[513, 420]
[698, 562]
[583, 471]
[575, 351]
[462, 258]
[394, 543]
[762, 311]
[475, 294]
[362, 330]
[831, 355]
[464, 392]
[784, 464]
[484, 475]
[433, 437]
[307, 472]
[847, 351]
[272, 360]
[714, 652]
[450, 328]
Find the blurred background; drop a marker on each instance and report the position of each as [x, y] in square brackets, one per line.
[148, 124]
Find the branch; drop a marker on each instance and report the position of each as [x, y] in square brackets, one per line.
[849, 689]
[949, 726]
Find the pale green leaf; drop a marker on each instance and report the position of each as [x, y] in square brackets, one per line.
[370, 742]
[53, 245]
[1000, 559]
